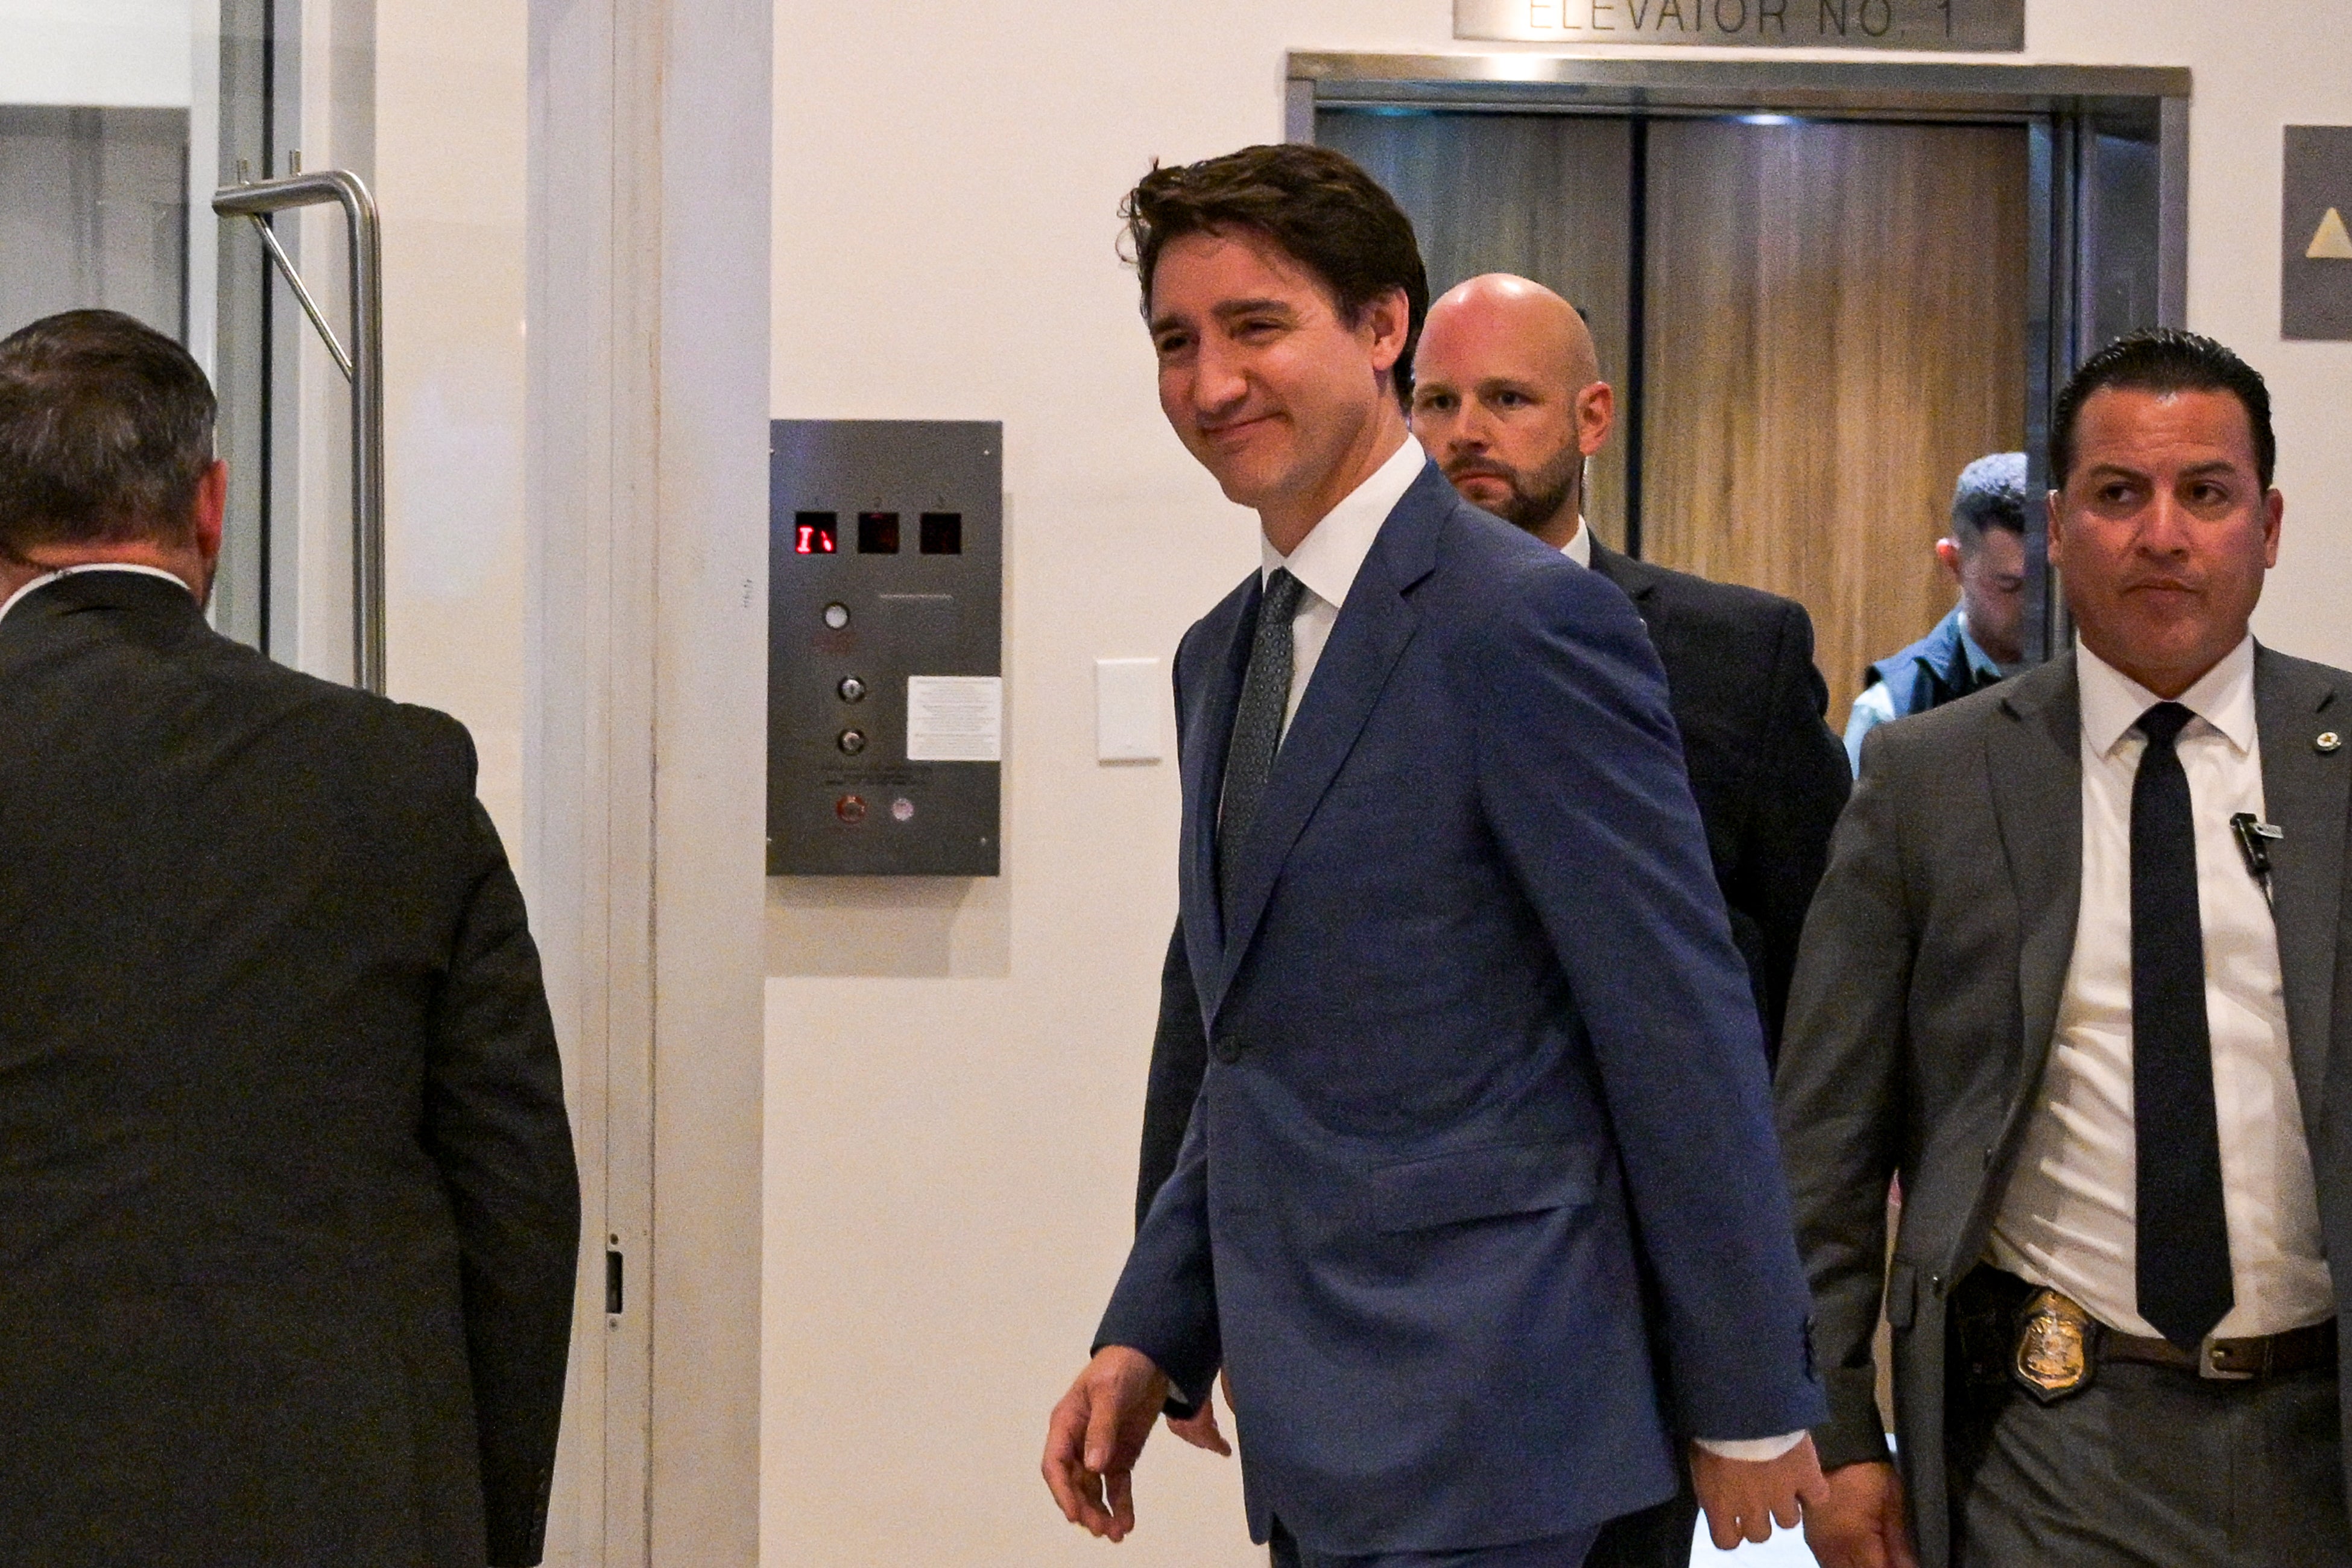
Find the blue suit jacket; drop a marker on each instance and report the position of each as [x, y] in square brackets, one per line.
[1479, 1012]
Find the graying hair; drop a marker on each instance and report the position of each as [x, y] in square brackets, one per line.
[106, 431]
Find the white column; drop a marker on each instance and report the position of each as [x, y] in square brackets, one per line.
[646, 495]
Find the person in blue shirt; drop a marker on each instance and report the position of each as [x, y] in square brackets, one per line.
[1982, 641]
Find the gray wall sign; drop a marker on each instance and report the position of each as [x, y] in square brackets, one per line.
[2315, 284]
[1974, 25]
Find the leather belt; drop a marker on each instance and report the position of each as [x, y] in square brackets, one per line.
[2270, 1355]
[2046, 1343]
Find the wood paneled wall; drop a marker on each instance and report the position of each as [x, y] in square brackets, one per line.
[1836, 327]
[1545, 197]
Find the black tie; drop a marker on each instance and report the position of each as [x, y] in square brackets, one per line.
[1257, 729]
[2184, 1234]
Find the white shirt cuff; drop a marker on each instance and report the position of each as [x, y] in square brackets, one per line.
[1754, 1450]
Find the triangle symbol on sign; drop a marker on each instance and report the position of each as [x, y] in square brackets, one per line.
[2332, 243]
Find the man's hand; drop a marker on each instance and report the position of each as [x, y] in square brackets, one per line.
[1854, 1519]
[1745, 1498]
[1200, 1429]
[1096, 1434]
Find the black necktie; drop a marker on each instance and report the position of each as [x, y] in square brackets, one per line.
[1257, 729]
[2184, 1236]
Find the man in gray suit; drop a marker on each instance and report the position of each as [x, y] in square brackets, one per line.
[2071, 976]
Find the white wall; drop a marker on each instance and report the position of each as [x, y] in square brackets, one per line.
[956, 1071]
[448, 177]
[127, 54]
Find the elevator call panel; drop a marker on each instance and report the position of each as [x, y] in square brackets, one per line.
[886, 702]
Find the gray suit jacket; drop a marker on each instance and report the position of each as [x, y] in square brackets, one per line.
[1926, 989]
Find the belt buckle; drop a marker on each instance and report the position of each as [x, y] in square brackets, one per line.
[2210, 1367]
[2053, 1347]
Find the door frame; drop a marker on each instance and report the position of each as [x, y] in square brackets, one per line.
[2065, 109]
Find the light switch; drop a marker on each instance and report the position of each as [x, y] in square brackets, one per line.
[1130, 700]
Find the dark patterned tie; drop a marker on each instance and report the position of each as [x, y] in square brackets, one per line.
[2184, 1234]
[1257, 730]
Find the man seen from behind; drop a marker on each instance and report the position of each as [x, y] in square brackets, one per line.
[288, 1205]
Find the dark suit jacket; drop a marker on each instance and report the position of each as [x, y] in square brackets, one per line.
[1769, 775]
[1477, 1013]
[287, 1208]
[1927, 990]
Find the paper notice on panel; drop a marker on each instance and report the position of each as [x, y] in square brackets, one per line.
[955, 717]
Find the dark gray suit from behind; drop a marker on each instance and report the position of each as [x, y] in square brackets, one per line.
[287, 1208]
[1927, 993]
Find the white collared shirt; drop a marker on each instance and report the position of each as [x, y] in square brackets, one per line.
[2068, 1220]
[1327, 559]
[37, 584]
[1579, 547]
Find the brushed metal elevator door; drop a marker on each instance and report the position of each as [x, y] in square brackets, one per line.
[1837, 325]
[1833, 320]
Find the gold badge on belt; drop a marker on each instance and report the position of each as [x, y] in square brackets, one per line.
[2053, 1347]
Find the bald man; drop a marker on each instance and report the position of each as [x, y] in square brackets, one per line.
[1508, 399]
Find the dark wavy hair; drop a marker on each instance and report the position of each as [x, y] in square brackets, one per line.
[106, 430]
[1318, 205]
[2164, 360]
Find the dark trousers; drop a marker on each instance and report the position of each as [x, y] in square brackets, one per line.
[1560, 1551]
[2147, 1467]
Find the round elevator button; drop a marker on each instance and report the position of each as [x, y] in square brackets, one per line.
[852, 690]
[850, 808]
[853, 741]
[837, 615]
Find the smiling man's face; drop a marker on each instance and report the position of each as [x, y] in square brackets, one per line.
[1265, 382]
[2163, 532]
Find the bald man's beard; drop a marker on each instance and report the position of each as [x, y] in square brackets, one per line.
[1534, 499]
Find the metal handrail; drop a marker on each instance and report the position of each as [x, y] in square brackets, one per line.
[362, 367]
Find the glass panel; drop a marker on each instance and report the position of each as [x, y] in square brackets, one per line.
[93, 210]
[93, 160]
[103, 203]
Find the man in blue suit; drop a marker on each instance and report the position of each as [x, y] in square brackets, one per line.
[1474, 1009]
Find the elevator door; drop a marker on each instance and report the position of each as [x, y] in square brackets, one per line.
[1831, 317]
[1837, 322]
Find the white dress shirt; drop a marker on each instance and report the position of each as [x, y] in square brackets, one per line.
[1579, 547]
[1327, 559]
[1326, 563]
[2068, 1218]
[37, 584]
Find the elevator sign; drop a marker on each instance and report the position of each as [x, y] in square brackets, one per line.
[1971, 25]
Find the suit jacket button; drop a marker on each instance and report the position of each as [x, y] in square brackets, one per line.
[1936, 1283]
[1225, 1047]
